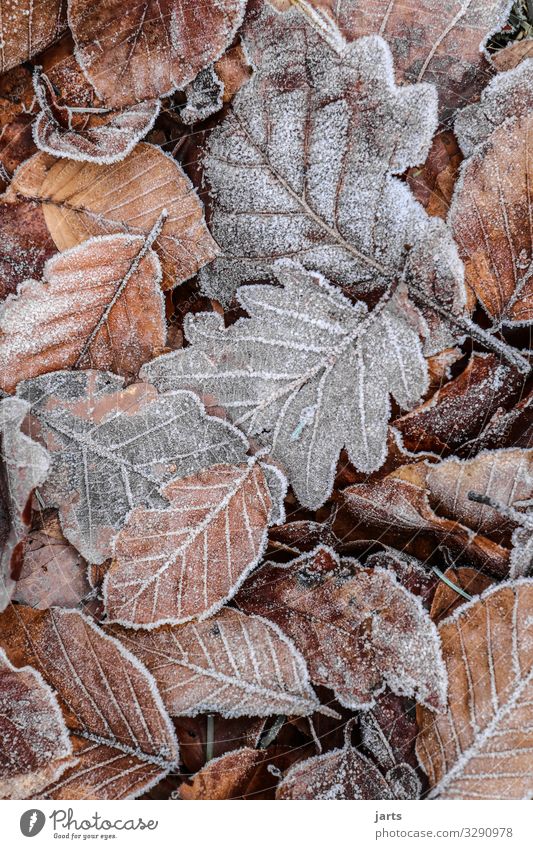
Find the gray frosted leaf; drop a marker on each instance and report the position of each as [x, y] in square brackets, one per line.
[113, 448]
[204, 96]
[306, 375]
[304, 166]
[25, 465]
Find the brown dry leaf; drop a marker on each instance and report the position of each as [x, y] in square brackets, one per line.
[233, 70]
[121, 732]
[82, 199]
[143, 50]
[228, 734]
[430, 41]
[490, 214]
[236, 775]
[34, 744]
[26, 28]
[513, 54]
[232, 664]
[508, 428]
[481, 748]
[26, 244]
[102, 136]
[358, 629]
[433, 183]
[398, 505]
[52, 574]
[185, 560]
[459, 410]
[446, 599]
[99, 305]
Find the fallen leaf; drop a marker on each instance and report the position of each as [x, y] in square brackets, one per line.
[117, 44]
[82, 199]
[185, 561]
[27, 28]
[232, 664]
[122, 736]
[307, 374]
[113, 448]
[469, 582]
[235, 775]
[99, 305]
[34, 744]
[228, 734]
[26, 244]
[358, 629]
[514, 53]
[480, 749]
[321, 185]
[433, 183]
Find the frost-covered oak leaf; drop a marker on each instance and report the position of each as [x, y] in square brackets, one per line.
[99, 305]
[113, 448]
[34, 744]
[140, 50]
[233, 664]
[481, 748]
[358, 629]
[490, 213]
[121, 733]
[26, 28]
[94, 135]
[186, 560]
[305, 166]
[84, 199]
[306, 375]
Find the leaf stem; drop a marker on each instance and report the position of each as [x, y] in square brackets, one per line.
[210, 737]
[451, 584]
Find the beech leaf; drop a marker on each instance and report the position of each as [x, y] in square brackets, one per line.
[83, 199]
[307, 374]
[113, 448]
[26, 28]
[358, 629]
[149, 49]
[34, 744]
[232, 664]
[186, 560]
[480, 749]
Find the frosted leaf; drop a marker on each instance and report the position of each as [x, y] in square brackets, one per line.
[99, 305]
[521, 560]
[304, 166]
[52, 573]
[26, 244]
[481, 748]
[106, 137]
[26, 28]
[490, 215]
[307, 374]
[358, 629]
[34, 745]
[505, 476]
[431, 41]
[121, 733]
[186, 560]
[204, 97]
[84, 199]
[113, 448]
[231, 776]
[25, 465]
[145, 50]
[508, 97]
[232, 664]
[453, 589]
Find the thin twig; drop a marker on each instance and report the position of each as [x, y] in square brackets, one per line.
[451, 584]
[210, 737]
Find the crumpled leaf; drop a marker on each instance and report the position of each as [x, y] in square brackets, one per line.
[52, 573]
[232, 664]
[443, 44]
[204, 96]
[26, 244]
[26, 28]
[358, 629]
[107, 137]
[34, 744]
[113, 448]
[144, 50]
[459, 410]
[491, 209]
[307, 374]
[83, 199]
[433, 183]
[401, 776]
[481, 748]
[184, 561]
[121, 733]
[25, 465]
[99, 305]
[304, 166]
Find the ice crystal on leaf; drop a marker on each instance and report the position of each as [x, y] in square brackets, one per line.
[307, 374]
